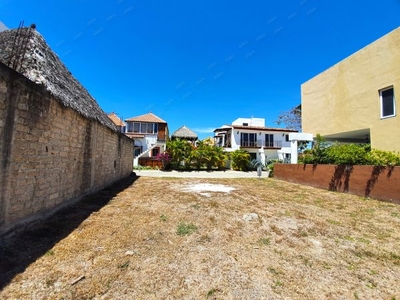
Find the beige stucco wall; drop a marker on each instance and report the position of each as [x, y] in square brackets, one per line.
[345, 97]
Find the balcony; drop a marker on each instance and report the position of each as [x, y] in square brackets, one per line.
[247, 144]
[273, 145]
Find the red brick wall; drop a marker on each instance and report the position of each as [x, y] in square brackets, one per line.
[50, 155]
[381, 183]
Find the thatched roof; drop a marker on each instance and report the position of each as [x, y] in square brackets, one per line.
[184, 133]
[26, 51]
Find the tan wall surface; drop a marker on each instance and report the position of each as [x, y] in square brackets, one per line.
[50, 155]
[346, 96]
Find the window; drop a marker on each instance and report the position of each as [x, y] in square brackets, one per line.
[155, 152]
[130, 127]
[245, 124]
[143, 127]
[286, 138]
[388, 108]
[269, 140]
[248, 140]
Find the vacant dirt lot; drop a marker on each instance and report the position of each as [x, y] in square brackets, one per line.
[166, 238]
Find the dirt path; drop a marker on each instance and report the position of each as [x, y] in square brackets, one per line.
[205, 238]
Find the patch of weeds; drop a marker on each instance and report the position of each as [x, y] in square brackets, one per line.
[396, 258]
[356, 296]
[382, 235]
[185, 229]
[195, 206]
[319, 202]
[277, 284]
[264, 241]
[373, 272]
[334, 222]
[363, 240]
[326, 266]
[340, 206]
[123, 265]
[212, 292]
[50, 252]
[272, 271]
[371, 284]
[306, 261]
[395, 215]
[163, 218]
[349, 238]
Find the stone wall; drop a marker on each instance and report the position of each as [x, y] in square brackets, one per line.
[50, 155]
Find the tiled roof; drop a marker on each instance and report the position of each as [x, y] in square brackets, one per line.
[149, 118]
[117, 121]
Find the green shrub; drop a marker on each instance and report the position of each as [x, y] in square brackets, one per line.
[383, 158]
[348, 154]
[240, 160]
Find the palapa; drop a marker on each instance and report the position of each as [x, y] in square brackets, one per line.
[184, 133]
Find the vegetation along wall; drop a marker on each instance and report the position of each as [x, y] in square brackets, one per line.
[377, 182]
[50, 155]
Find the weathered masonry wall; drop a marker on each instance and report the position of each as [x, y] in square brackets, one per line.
[50, 155]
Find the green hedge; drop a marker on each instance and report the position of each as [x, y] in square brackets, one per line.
[348, 154]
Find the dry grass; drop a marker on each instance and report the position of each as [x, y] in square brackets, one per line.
[305, 244]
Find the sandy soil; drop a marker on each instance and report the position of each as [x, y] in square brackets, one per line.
[176, 238]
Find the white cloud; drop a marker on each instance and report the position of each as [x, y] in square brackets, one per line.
[204, 130]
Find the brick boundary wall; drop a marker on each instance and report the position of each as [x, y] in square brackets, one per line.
[382, 183]
[50, 155]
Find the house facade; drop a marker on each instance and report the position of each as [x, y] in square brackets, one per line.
[150, 134]
[357, 99]
[250, 134]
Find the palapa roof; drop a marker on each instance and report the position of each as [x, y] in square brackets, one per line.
[184, 133]
[26, 51]
[146, 118]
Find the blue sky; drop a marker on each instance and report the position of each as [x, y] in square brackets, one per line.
[202, 63]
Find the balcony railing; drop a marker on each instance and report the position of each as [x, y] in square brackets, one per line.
[248, 144]
[258, 144]
[274, 144]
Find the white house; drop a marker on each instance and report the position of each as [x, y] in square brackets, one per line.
[263, 143]
[150, 134]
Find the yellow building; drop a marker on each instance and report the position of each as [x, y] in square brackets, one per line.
[357, 99]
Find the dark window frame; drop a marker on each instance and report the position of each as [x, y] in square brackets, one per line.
[387, 102]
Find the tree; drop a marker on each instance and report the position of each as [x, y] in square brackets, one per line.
[180, 151]
[291, 119]
[240, 160]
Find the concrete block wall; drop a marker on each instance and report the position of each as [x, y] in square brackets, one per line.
[50, 155]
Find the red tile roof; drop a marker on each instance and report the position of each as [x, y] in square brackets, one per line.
[149, 118]
[116, 120]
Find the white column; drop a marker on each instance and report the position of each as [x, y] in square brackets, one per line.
[293, 152]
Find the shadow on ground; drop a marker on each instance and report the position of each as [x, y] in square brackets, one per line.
[19, 251]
